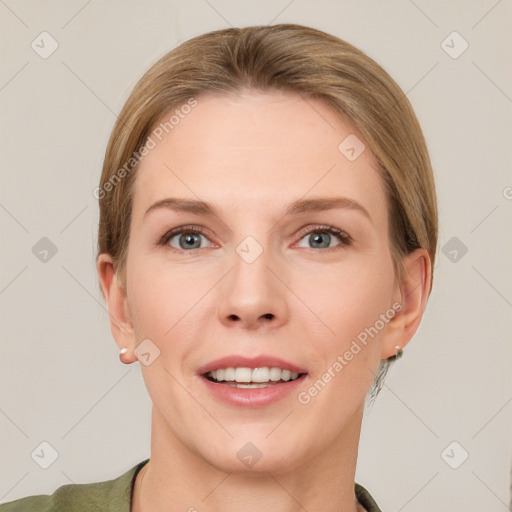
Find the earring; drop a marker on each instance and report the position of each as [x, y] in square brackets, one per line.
[399, 352]
[126, 359]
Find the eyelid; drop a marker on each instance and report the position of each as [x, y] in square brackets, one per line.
[171, 233]
[323, 227]
[344, 237]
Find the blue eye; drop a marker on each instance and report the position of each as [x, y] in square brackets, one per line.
[188, 237]
[321, 236]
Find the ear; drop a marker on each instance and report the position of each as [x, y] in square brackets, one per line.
[120, 317]
[412, 295]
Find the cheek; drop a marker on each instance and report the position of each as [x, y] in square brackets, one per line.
[344, 347]
[158, 298]
[170, 305]
[347, 299]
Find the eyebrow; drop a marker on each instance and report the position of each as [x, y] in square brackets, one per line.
[316, 204]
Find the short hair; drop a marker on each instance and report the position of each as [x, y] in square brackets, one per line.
[288, 58]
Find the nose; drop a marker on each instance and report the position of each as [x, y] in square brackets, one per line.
[253, 296]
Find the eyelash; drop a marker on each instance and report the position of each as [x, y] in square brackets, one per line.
[345, 239]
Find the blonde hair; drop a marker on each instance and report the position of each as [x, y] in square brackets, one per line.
[289, 58]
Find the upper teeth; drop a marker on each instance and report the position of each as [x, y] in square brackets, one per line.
[253, 375]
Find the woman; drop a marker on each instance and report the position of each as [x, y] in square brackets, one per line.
[268, 231]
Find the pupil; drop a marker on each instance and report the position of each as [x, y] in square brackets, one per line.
[189, 240]
[318, 237]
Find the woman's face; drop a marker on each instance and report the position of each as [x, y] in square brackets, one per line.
[262, 278]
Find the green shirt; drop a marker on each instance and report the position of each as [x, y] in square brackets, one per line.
[111, 496]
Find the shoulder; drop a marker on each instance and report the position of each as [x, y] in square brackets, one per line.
[41, 503]
[108, 496]
[365, 498]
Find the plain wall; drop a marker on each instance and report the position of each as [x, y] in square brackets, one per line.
[60, 375]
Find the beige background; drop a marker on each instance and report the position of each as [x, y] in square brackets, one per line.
[61, 379]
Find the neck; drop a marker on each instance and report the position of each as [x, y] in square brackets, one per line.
[175, 479]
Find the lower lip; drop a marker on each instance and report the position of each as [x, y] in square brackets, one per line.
[252, 397]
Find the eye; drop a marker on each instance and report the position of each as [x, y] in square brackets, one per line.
[321, 236]
[187, 238]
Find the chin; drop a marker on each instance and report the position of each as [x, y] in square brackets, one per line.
[251, 462]
[252, 453]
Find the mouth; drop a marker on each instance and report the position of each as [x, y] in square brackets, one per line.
[251, 378]
[254, 382]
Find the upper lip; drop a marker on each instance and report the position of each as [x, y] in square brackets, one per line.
[261, 361]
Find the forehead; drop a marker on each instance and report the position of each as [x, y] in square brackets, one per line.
[257, 149]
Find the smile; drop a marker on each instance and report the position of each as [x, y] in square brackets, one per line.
[244, 377]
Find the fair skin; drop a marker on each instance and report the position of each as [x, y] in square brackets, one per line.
[250, 155]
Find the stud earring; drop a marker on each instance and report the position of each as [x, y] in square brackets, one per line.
[123, 350]
[399, 352]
